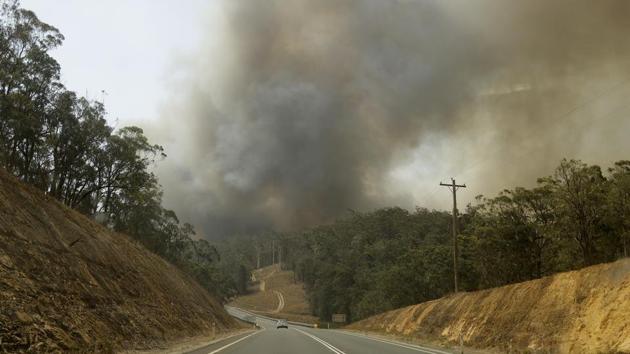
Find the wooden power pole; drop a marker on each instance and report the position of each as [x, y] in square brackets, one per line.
[454, 187]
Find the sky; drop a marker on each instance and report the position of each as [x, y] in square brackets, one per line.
[286, 114]
[124, 48]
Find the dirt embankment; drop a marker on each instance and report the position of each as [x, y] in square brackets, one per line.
[585, 311]
[276, 292]
[68, 284]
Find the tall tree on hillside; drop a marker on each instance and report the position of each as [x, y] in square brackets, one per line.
[536, 209]
[125, 165]
[504, 240]
[619, 203]
[76, 135]
[579, 191]
[28, 78]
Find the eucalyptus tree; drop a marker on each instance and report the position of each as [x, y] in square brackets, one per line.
[579, 192]
[619, 204]
[29, 77]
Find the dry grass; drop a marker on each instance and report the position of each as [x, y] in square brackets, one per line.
[68, 284]
[585, 311]
[265, 301]
[296, 306]
[295, 299]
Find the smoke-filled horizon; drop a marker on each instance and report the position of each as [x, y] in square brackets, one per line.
[294, 112]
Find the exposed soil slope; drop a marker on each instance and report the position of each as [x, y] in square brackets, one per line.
[276, 293]
[69, 284]
[585, 311]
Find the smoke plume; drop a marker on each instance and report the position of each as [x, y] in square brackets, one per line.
[293, 112]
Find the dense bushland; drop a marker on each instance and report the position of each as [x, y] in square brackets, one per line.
[368, 263]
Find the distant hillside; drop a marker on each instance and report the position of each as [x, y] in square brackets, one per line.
[69, 284]
[585, 311]
[275, 292]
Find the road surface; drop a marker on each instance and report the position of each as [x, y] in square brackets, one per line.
[304, 340]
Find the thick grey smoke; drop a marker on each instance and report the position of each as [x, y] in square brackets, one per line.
[295, 111]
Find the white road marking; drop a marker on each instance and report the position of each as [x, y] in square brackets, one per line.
[322, 342]
[403, 345]
[231, 344]
[280, 301]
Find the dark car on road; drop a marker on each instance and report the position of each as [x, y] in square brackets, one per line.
[282, 324]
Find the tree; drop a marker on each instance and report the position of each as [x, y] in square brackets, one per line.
[619, 203]
[61, 143]
[76, 134]
[579, 191]
[28, 79]
[509, 236]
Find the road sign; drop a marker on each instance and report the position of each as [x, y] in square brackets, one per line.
[339, 317]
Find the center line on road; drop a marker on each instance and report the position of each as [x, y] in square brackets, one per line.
[231, 344]
[322, 342]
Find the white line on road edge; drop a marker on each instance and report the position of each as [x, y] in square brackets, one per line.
[231, 344]
[322, 342]
[403, 345]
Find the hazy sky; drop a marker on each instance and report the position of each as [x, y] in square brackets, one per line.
[287, 113]
[125, 48]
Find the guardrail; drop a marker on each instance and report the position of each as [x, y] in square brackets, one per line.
[248, 319]
[251, 314]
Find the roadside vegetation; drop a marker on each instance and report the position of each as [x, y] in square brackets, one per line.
[362, 264]
[368, 263]
[60, 142]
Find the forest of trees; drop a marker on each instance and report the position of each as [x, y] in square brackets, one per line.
[360, 265]
[61, 142]
[371, 262]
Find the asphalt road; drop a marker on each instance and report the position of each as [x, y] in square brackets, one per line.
[303, 340]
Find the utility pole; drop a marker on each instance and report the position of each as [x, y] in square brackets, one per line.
[258, 256]
[280, 255]
[273, 252]
[454, 187]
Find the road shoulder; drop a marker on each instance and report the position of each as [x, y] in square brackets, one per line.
[414, 341]
[192, 344]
